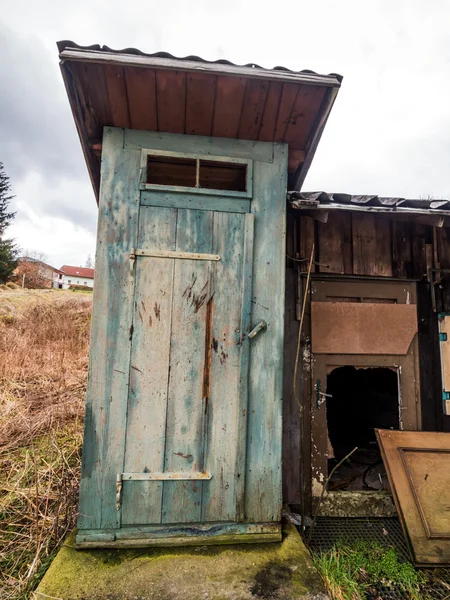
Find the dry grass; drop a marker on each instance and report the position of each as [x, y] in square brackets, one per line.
[44, 340]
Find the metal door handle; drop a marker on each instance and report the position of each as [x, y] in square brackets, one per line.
[261, 325]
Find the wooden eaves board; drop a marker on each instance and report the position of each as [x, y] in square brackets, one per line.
[418, 467]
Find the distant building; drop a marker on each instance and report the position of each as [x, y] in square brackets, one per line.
[34, 273]
[69, 276]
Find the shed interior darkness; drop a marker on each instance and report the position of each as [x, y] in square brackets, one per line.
[359, 401]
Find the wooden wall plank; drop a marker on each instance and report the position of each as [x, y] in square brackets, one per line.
[443, 254]
[270, 114]
[219, 495]
[402, 264]
[253, 109]
[227, 110]
[171, 100]
[291, 431]
[263, 476]
[303, 115]
[288, 97]
[419, 253]
[150, 354]
[306, 241]
[200, 98]
[141, 92]
[335, 247]
[372, 249]
[109, 362]
[117, 94]
[185, 444]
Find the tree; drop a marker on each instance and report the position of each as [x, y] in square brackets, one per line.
[8, 249]
[89, 262]
[33, 271]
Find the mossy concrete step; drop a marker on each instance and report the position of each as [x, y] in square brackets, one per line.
[277, 571]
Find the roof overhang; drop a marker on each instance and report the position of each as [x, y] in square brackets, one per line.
[192, 96]
[318, 205]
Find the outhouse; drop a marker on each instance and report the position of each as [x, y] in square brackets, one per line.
[190, 161]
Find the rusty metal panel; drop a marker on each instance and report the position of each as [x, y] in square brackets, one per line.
[418, 467]
[362, 328]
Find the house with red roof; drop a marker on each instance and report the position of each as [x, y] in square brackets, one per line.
[70, 276]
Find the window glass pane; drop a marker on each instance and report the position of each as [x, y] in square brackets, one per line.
[166, 170]
[223, 176]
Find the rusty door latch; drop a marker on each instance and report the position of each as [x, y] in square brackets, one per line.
[257, 329]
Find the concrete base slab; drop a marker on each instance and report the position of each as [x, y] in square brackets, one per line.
[277, 571]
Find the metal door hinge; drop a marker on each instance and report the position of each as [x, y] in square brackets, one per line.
[320, 396]
[118, 491]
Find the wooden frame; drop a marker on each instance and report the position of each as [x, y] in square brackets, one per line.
[322, 364]
[145, 153]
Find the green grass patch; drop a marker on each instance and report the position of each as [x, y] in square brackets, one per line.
[358, 571]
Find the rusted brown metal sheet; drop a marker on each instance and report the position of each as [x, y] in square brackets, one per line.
[418, 467]
[362, 328]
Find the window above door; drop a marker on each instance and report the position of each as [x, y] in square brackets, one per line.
[196, 174]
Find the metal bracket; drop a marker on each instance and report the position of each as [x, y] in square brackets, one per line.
[254, 332]
[320, 396]
[173, 254]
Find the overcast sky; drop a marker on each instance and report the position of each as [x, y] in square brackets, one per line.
[388, 134]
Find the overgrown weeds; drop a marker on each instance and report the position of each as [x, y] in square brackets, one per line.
[359, 571]
[43, 364]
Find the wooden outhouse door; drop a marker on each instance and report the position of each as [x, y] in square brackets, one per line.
[183, 419]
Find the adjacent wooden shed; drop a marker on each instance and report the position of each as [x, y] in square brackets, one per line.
[190, 162]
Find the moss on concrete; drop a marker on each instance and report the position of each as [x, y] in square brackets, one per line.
[282, 571]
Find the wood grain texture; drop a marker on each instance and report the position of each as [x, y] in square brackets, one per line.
[227, 109]
[109, 363]
[171, 99]
[285, 111]
[141, 93]
[263, 477]
[184, 447]
[195, 202]
[335, 244]
[200, 99]
[92, 92]
[149, 364]
[372, 253]
[117, 94]
[402, 263]
[253, 109]
[270, 114]
[207, 146]
[227, 406]
[301, 119]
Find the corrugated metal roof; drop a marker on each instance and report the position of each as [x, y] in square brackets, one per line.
[68, 44]
[368, 202]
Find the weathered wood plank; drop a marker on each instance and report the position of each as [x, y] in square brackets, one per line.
[171, 98]
[335, 244]
[306, 240]
[372, 249]
[117, 94]
[224, 405]
[109, 363]
[419, 257]
[291, 431]
[402, 265]
[207, 146]
[195, 202]
[141, 92]
[263, 477]
[227, 110]
[304, 110]
[150, 354]
[253, 109]
[200, 98]
[288, 96]
[270, 115]
[191, 305]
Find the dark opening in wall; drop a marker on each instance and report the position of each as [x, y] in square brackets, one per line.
[359, 401]
[196, 173]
